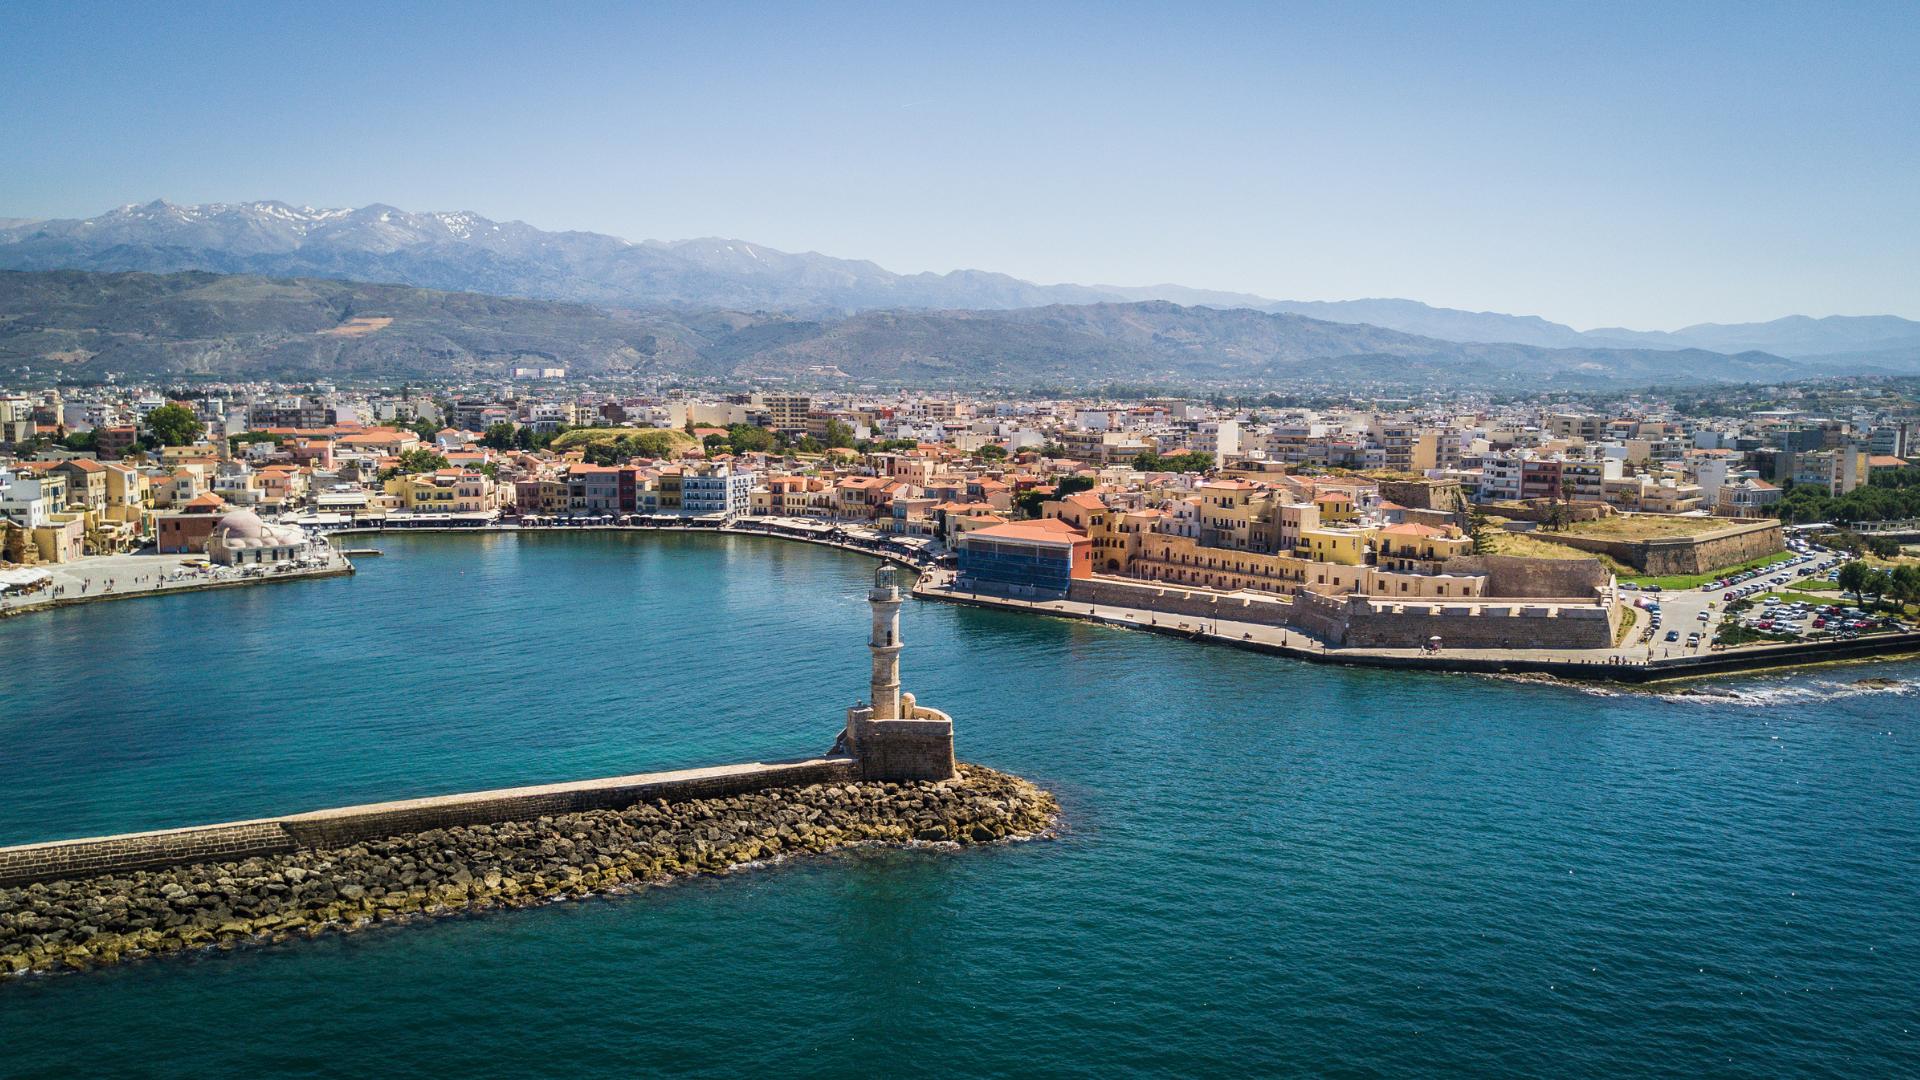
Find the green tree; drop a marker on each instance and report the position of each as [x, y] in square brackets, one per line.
[499, 436]
[425, 427]
[1853, 579]
[421, 460]
[839, 434]
[1905, 585]
[1878, 583]
[993, 452]
[82, 440]
[809, 445]
[1194, 461]
[715, 442]
[748, 439]
[1053, 450]
[649, 444]
[1146, 461]
[175, 425]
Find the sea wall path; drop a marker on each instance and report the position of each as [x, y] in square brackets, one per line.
[120, 577]
[83, 903]
[1628, 664]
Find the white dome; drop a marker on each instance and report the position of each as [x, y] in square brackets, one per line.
[240, 524]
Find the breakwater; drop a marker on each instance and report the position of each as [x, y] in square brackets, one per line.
[618, 834]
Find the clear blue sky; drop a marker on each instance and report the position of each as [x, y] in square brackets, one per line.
[1594, 164]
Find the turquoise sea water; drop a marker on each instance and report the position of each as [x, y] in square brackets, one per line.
[1266, 868]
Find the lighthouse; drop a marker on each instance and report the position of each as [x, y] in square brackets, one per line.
[895, 737]
[884, 597]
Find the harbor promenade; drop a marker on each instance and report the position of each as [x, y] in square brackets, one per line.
[120, 577]
[1629, 663]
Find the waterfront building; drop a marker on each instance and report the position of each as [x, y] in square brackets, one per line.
[713, 489]
[26, 498]
[241, 539]
[86, 484]
[1025, 557]
[186, 531]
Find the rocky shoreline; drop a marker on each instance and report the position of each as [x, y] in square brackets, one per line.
[82, 924]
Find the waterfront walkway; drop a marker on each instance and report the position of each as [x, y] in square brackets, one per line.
[1628, 663]
[119, 577]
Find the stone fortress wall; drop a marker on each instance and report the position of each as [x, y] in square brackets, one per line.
[1683, 555]
[1576, 620]
[1534, 624]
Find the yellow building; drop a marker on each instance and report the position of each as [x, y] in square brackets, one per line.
[1335, 508]
[1346, 547]
[448, 491]
[1419, 549]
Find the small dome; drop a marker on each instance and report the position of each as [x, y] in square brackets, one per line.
[240, 524]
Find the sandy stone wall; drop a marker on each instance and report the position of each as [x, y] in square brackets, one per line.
[1683, 555]
[1178, 600]
[1570, 623]
[1509, 576]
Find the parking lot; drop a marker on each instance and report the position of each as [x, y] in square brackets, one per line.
[1681, 622]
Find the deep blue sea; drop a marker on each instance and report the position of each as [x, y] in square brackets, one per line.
[1265, 868]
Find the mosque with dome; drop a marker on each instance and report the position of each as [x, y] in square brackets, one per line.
[242, 539]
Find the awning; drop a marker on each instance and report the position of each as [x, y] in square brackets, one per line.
[24, 575]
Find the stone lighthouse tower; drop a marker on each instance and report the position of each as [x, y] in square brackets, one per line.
[885, 643]
[895, 737]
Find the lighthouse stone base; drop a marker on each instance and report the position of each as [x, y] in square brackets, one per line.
[917, 747]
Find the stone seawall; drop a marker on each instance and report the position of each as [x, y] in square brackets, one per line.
[372, 865]
[1181, 600]
[1515, 625]
[1357, 622]
[1683, 555]
[352, 824]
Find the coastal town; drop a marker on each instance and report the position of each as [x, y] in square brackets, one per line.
[1456, 522]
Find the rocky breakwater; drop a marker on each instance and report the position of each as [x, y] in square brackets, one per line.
[105, 920]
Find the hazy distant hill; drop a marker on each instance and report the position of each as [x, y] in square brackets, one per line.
[1159, 341]
[252, 327]
[464, 252]
[247, 326]
[1794, 337]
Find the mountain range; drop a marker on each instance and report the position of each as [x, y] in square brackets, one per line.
[464, 252]
[93, 325]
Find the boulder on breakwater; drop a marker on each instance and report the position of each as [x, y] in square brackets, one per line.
[81, 924]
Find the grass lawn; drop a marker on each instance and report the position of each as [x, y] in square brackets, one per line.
[1630, 616]
[1887, 607]
[1792, 596]
[1521, 545]
[1694, 581]
[1648, 526]
[578, 437]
